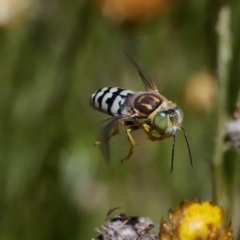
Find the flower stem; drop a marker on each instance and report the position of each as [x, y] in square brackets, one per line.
[224, 56]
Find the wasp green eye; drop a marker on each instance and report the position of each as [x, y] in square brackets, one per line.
[161, 121]
[179, 112]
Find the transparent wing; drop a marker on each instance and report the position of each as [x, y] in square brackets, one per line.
[107, 133]
[147, 81]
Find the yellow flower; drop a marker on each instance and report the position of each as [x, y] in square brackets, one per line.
[194, 220]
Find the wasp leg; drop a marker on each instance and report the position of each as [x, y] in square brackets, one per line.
[148, 131]
[114, 133]
[132, 142]
[116, 129]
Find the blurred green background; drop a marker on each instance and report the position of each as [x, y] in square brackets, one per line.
[53, 55]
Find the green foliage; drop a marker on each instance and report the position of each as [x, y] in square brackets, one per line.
[54, 183]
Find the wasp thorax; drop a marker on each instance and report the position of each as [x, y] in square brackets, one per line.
[167, 119]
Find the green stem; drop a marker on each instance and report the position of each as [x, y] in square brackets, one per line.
[224, 56]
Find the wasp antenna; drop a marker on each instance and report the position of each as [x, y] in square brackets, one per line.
[188, 145]
[173, 148]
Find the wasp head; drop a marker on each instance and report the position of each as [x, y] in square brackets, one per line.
[167, 121]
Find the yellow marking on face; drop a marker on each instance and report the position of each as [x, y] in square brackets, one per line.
[170, 104]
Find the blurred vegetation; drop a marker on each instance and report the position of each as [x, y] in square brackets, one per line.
[53, 56]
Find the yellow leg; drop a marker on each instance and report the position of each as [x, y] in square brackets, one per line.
[114, 133]
[148, 130]
[132, 142]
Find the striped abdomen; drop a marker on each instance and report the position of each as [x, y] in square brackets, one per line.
[112, 100]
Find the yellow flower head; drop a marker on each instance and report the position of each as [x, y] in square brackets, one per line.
[194, 220]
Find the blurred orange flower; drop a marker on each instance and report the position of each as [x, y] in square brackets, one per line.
[200, 91]
[194, 220]
[132, 10]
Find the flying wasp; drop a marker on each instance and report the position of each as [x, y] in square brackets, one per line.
[149, 110]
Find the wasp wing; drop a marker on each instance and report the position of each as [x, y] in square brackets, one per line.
[107, 134]
[147, 81]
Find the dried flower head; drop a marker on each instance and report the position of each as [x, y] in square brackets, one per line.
[194, 220]
[233, 127]
[123, 227]
[236, 114]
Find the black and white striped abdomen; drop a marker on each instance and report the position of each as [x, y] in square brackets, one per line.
[112, 100]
